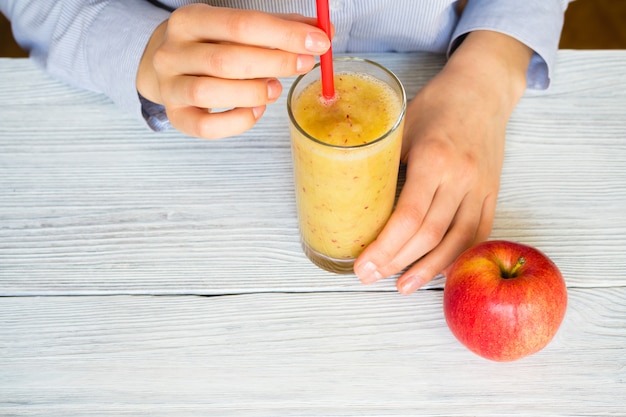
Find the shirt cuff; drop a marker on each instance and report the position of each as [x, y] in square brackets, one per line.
[116, 42]
[154, 114]
[535, 23]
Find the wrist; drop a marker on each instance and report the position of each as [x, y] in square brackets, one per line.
[147, 81]
[494, 61]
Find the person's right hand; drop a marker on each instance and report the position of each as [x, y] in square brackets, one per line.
[206, 57]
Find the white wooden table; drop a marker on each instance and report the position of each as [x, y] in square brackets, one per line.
[161, 275]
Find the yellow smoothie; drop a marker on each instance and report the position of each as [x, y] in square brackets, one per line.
[345, 192]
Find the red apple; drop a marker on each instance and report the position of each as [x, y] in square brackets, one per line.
[504, 300]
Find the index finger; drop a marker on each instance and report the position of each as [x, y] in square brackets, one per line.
[413, 206]
[291, 33]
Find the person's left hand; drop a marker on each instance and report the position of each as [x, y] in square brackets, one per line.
[454, 148]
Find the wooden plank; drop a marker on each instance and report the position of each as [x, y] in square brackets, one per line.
[296, 354]
[91, 202]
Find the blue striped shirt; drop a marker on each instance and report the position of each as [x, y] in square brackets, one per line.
[97, 44]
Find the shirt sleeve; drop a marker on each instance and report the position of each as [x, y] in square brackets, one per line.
[95, 45]
[536, 23]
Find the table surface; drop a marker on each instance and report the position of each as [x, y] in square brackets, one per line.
[162, 275]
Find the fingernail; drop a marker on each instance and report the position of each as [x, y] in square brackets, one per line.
[274, 88]
[368, 273]
[258, 111]
[409, 284]
[304, 63]
[316, 42]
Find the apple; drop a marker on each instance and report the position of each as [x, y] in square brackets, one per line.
[504, 300]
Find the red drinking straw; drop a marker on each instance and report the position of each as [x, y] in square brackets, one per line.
[326, 60]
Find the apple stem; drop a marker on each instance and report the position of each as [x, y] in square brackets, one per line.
[520, 262]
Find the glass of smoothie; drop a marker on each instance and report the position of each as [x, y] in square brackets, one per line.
[346, 156]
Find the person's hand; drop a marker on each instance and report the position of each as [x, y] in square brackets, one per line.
[206, 57]
[454, 148]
